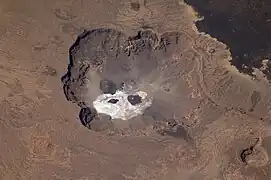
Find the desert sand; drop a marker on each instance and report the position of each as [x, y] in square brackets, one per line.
[207, 120]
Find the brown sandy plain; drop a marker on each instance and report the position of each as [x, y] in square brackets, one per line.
[41, 137]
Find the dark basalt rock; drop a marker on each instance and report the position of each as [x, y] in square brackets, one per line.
[134, 99]
[86, 115]
[244, 26]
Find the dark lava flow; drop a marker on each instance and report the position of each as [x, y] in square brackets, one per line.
[243, 25]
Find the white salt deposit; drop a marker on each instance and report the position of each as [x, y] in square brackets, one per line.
[123, 109]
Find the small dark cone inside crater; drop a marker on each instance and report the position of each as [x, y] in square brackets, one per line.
[134, 99]
[86, 115]
[108, 86]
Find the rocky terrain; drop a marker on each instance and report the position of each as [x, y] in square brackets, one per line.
[208, 119]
